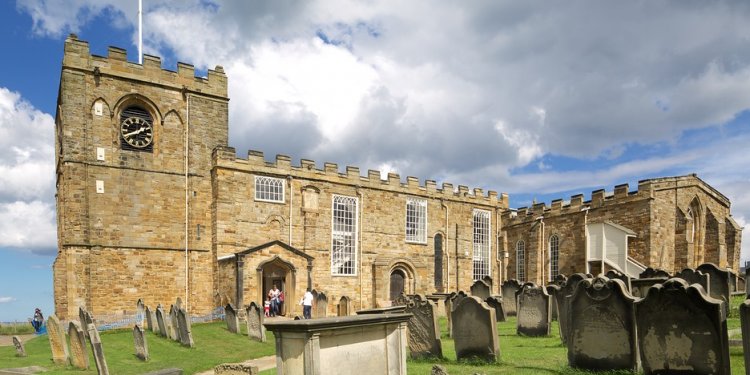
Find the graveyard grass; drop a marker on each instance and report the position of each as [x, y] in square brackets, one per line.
[215, 345]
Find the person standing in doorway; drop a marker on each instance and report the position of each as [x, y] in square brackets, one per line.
[306, 303]
[274, 294]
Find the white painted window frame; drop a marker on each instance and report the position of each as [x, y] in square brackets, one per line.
[482, 243]
[416, 210]
[264, 188]
[350, 229]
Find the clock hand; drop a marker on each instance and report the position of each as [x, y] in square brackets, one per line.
[135, 132]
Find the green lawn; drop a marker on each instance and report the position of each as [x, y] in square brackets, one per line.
[213, 345]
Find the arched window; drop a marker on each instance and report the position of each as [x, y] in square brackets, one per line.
[554, 256]
[521, 261]
[439, 261]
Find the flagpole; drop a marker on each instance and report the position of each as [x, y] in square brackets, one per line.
[140, 31]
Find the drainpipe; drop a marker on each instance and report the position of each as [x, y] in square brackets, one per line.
[456, 240]
[447, 253]
[291, 203]
[187, 200]
[541, 247]
[586, 235]
[359, 240]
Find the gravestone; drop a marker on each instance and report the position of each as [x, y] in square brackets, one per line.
[233, 322]
[57, 340]
[141, 346]
[149, 319]
[160, 321]
[448, 306]
[533, 311]
[560, 280]
[140, 312]
[475, 330]
[84, 318]
[343, 306]
[488, 280]
[563, 317]
[424, 332]
[745, 326]
[481, 290]
[178, 303]
[602, 331]
[255, 328]
[20, 350]
[496, 302]
[639, 287]
[653, 273]
[614, 274]
[174, 323]
[186, 330]
[509, 289]
[682, 329]
[719, 280]
[401, 300]
[79, 355]
[154, 323]
[552, 290]
[455, 298]
[320, 306]
[692, 276]
[97, 349]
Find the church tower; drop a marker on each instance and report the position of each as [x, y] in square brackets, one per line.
[133, 162]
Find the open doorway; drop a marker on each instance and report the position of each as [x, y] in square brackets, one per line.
[276, 273]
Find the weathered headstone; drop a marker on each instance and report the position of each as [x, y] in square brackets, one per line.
[424, 332]
[255, 328]
[20, 350]
[343, 306]
[79, 355]
[480, 289]
[236, 369]
[141, 345]
[140, 312]
[552, 290]
[401, 300]
[174, 333]
[563, 316]
[652, 273]
[320, 306]
[692, 276]
[178, 303]
[533, 311]
[613, 274]
[488, 280]
[602, 332]
[438, 370]
[496, 302]
[160, 321]
[719, 279]
[745, 326]
[149, 319]
[84, 318]
[509, 289]
[560, 280]
[57, 341]
[233, 321]
[454, 298]
[97, 349]
[186, 330]
[682, 329]
[475, 330]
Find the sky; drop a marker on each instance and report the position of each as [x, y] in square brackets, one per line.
[541, 100]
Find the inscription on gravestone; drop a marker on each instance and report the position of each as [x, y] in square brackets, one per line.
[533, 311]
[57, 341]
[475, 330]
[424, 332]
[79, 355]
[255, 328]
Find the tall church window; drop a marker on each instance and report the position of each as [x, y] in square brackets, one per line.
[521, 261]
[344, 236]
[416, 220]
[554, 256]
[482, 242]
[269, 189]
[439, 261]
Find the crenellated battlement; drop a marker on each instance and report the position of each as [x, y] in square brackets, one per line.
[78, 56]
[225, 157]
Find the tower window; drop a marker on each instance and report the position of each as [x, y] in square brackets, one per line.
[269, 189]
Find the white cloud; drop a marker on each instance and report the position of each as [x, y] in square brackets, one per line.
[6, 299]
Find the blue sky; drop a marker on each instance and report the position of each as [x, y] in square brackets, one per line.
[536, 99]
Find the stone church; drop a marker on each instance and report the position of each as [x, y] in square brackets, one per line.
[152, 203]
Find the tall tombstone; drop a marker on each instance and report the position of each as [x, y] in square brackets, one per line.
[141, 345]
[140, 312]
[745, 324]
[563, 316]
[154, 323]
[160, 321]
[233, 321]
[509, 289]
[57, 341]
[342, 309]
[682, 329]
[79, 355]
[488, 280]
[614, 274]
[149, 319]
[255, 328]
[97, 349]
[455, 298]
[424, 331]
[496, 302]
[186, 330]
[552, 290]
[692, 276]
[320, 306]
[533, 311]
[175, 330]
[718, 279]
[475, 330]
[85, 319]
[20, 350]
[602, 334]
[653, 273]
[480, 289]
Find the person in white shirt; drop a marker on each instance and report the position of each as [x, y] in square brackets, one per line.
[306, 303]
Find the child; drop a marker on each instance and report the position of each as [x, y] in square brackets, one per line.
[267, 307]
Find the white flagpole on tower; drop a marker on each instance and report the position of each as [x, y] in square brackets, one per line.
[140, 31]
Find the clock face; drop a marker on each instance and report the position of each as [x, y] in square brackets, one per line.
[137, 132]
